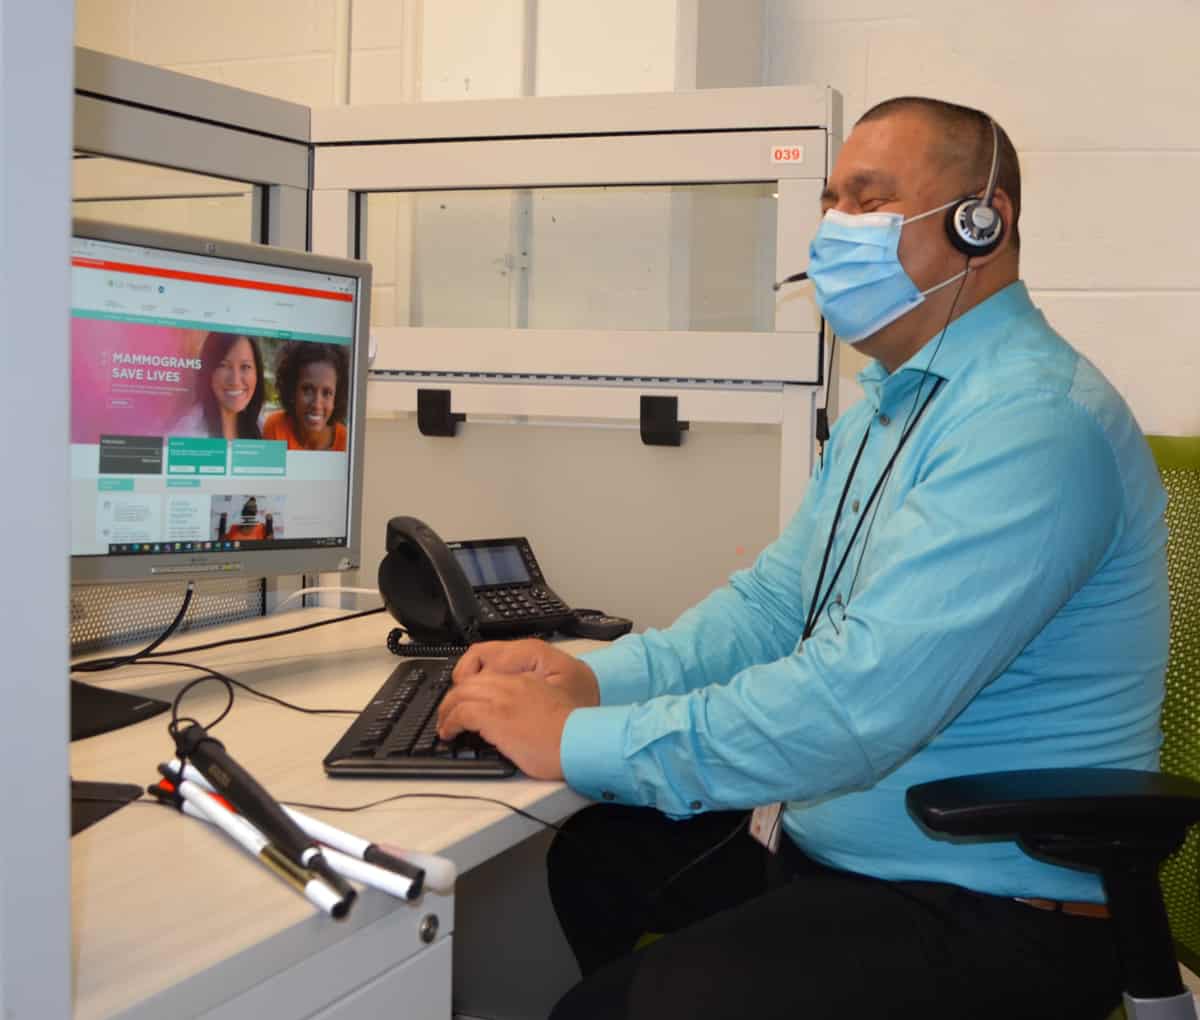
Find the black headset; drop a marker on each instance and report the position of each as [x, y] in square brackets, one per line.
[973, 225]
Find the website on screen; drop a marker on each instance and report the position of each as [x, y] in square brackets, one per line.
[209, 402]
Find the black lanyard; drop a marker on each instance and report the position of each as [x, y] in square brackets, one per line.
[817, 607]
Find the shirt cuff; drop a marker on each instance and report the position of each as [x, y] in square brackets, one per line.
[592, 761]
[620, 671]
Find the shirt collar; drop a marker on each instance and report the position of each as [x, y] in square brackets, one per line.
[963, 340]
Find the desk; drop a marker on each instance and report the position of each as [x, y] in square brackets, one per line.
[169, 920]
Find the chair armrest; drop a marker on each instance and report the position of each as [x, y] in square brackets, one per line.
[1063, 801]
[1121, 823]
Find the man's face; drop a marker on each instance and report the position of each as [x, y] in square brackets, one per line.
[888, 165]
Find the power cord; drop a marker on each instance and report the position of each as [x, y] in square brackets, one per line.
[113, 662]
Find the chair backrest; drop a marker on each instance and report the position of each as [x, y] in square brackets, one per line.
[1179, 464]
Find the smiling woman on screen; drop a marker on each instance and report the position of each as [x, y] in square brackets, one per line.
[229, 389]
[313, 384]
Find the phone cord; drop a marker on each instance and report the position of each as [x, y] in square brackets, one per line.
[419, 649]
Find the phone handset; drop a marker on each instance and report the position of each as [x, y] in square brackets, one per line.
[426, 590]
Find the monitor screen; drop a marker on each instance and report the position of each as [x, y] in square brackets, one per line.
[217, 401]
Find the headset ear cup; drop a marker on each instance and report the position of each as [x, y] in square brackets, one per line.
[968, 238]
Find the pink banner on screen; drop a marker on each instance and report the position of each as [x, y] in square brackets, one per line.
[131, 379]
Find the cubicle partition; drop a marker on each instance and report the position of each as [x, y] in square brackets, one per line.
[568, 286]
[586, 281]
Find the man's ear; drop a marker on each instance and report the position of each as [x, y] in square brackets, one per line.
[1004, 209]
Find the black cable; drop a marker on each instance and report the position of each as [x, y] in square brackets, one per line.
[112, 662]
[209, 674]
[342, 809]
[272, 634]
[924, 375]
[603, 865]
[212, 674]
[743, 823]
[813, 611]
[823, 411]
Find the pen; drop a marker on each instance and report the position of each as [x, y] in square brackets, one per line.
[200, 804]
[245, 793]
[438, 873]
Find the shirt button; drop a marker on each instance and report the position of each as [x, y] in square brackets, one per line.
[854, 506]
[884, 420]
[608, 795]
[695, 805]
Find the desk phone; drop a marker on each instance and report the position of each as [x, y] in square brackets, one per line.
[461, 592]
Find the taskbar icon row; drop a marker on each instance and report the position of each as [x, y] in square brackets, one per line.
[172, 547]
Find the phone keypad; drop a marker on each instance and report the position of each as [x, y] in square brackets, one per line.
[519, 602]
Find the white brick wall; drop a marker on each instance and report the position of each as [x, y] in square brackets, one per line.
[1101, 100]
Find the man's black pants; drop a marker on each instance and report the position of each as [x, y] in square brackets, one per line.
[762, 936]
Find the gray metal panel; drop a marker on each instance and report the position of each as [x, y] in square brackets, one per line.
[148, 136]
[35, 135]
[776, 106]
[287, 217]
[103, 615]
[549, 162]
[101, 74]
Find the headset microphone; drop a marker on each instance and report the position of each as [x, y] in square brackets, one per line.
[973, 225]
[794, 278]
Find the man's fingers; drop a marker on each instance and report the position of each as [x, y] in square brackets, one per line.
[473, 659]
[465, 715]
[478, 689]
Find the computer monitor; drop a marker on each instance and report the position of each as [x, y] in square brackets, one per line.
[218, 395]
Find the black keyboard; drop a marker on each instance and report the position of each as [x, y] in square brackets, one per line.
[396, 734]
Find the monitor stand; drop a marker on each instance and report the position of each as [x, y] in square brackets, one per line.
[96, 710]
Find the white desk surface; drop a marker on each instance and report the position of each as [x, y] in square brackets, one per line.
[164, 906]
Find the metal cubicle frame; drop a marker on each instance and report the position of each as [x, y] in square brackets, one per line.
[132, 111]
[702, 137]
[313, 168]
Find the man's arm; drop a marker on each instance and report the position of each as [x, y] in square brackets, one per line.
[982, 552]
[757, 617]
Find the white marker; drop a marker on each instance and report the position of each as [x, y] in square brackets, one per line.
[438, 873]
[316, 891]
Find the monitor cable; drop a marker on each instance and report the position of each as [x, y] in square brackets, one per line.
[113, 662]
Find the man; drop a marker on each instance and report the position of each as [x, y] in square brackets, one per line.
[975, 581]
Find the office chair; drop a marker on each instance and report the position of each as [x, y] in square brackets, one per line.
[1121, 823]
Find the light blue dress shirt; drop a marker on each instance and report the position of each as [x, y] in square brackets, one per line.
[1007, 611]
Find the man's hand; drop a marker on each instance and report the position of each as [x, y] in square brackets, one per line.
[544, 661]
[517, 695]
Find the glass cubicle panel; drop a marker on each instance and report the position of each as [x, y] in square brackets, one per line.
[138, 194]
[673, 257]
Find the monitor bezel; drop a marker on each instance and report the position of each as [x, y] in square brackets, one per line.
[251, 563]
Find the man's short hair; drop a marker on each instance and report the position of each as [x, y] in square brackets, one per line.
[966, 144]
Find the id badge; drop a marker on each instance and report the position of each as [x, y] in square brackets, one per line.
[764, 825]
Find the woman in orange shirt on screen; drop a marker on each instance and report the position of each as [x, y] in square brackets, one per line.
[313, 384]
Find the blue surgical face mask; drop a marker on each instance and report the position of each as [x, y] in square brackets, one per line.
[854, 266]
